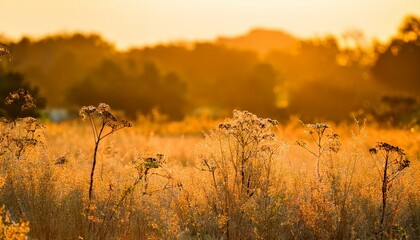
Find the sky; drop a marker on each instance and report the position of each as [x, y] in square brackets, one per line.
[128, 23]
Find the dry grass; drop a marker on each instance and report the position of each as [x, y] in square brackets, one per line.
[178, 200]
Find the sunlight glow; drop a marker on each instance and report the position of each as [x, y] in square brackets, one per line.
[141, 22]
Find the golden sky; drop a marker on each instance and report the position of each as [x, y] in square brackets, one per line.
[141, 22]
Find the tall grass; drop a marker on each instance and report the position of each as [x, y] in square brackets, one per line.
[246, 178]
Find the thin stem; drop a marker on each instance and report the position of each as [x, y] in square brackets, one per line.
[106, 135]
[310, 151]
[92, 173]
[95, 133]
[384, 195]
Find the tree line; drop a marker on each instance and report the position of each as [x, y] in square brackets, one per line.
[316, 78]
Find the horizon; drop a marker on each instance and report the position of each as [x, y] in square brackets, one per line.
[132, 23]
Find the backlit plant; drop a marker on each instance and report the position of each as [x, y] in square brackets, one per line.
[392, 161]
[240, 158]
[324, 142]
[18, 136]
[108, 125]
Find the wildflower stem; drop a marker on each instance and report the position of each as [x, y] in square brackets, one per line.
[384, 194]
[92, 173]
[106, 135]
[92, 123]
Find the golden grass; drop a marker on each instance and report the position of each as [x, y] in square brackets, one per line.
[179, 201]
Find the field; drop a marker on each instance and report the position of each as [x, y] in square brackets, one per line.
[239, 178]
[324, 144]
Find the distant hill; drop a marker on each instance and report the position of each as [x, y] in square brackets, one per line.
[260, 40]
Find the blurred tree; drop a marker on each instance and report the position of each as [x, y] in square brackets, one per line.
[172, 96]
[253, 91]
[100, 85]
[132, 93]
[399, 65]
[399, 110]
[206, 68]
[166, 92]
[318, 78]
[57, 62]
[394, 110]
[318, 83]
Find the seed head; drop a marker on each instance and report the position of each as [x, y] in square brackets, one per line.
[21, 97]
[373, 151]
[404, 164]
[87, 111]
[103, 107]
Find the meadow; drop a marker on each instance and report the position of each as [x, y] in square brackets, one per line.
[187, 165]
[243, 177]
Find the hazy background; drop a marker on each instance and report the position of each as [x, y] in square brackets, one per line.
[127, 23]
[316, 59]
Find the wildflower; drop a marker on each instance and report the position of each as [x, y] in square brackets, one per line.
[393, 161]
[317, 131]
[373, 151]
[333, 142]
[404, 164]
[103, 107]
[151, 162]
[273, 122]
[21, 97]
[108, 120]
[87, 111]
